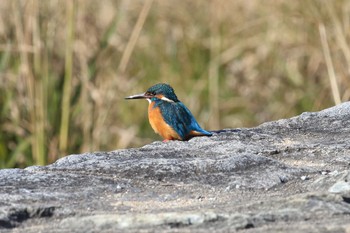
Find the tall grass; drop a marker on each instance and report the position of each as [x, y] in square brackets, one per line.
[67, 82]
[66, 66]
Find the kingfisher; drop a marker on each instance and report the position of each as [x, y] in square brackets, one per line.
[168, 116]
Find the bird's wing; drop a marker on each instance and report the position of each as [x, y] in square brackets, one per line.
[194, 127]
[181, 119]
[175, 116]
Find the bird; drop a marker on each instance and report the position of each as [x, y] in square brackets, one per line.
[168, 116]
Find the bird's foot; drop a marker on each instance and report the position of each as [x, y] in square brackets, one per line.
[166, 140]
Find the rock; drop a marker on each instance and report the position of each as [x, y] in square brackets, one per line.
[335, 182]
[290, 175]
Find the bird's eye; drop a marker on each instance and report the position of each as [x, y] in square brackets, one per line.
[153, 93]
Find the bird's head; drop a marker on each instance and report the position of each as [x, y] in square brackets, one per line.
[160, 91]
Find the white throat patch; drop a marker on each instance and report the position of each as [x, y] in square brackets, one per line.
[166, 99]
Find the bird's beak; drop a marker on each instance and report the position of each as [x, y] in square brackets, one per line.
[138, 96]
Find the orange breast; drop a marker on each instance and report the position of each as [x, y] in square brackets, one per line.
[159, 125]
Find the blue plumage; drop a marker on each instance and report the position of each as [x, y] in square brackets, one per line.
[179, 117]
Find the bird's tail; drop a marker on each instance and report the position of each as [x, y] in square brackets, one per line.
[200, 132]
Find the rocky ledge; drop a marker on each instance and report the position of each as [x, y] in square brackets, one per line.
[290, 175]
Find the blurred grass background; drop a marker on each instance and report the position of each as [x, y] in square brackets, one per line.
[65, 67]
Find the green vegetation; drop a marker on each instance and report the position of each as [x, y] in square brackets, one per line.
[65, 67]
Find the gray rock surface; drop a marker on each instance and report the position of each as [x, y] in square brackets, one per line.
[292, 175]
